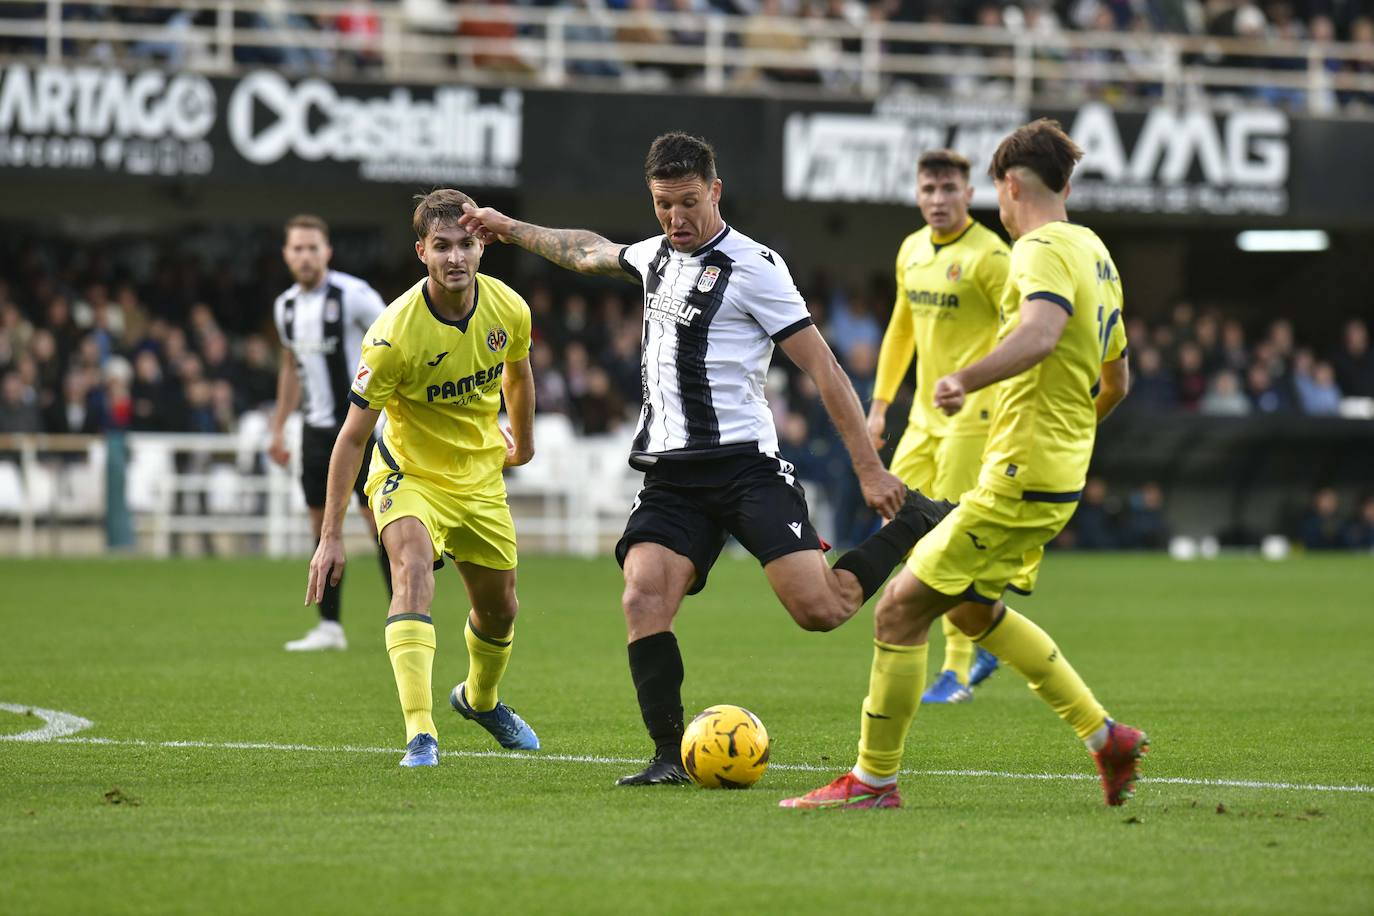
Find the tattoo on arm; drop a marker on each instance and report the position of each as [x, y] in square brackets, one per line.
[576, 249]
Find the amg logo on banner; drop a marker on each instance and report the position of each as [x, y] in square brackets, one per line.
[1183, 161]
[451, 137]
[146, 123]
[872, 157]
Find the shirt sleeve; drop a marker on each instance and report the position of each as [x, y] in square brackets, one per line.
[1116, 337]
[520, 340]
[899, 341]
[1042, 274]
[381, 368]
[772, 298]
[366, 305]
[635, 259]
[992, 272]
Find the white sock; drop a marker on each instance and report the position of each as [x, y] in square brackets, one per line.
[868, 779]
[1098, 739]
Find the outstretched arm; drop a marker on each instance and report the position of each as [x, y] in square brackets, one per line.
[576, 249]
[882, 491]
[518, 386]
[1042, 324]
[327, 566]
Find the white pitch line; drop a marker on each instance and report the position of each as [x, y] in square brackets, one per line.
[55, 724]
[786, 767]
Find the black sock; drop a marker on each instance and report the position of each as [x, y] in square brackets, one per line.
[329, 604]
[656, 669]
[873, 560]
[385, 562]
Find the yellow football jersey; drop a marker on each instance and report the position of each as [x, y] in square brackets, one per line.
[439, 382]
[1043, 420]
[946, 313]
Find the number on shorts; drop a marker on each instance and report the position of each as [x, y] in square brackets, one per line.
[393, 480]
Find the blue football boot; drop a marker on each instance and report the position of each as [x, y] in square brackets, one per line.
[984, 664]
[509, 730]
[422, 751]
[947, 689]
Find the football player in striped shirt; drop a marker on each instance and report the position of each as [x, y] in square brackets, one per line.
[716, 302]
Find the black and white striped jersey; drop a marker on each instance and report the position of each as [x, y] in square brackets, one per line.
[711, 318]
[324, 328]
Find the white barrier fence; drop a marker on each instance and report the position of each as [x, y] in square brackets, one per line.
[202, 493]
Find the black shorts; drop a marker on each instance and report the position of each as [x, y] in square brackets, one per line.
[316, 447]
[690, 506]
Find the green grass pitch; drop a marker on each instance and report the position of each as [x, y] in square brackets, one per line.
[1240, 670]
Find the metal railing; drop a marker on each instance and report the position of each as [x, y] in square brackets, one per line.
[211, 493]
[562, 47]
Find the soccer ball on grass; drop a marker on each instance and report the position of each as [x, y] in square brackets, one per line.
[725, 747]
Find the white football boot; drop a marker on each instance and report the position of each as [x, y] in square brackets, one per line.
[328, 634]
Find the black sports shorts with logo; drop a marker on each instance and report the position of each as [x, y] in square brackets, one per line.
[316, 446]
[691, 505]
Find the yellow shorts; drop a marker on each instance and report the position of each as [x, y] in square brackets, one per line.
[470, 529]
[941, 467]
[989, 543]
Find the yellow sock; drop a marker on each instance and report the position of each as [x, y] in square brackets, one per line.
[959, 651]
[894, 694]
[410, 643]
[1030, 651]
[487, 658]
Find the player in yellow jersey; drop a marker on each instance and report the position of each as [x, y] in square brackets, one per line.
[1060, 362]
[438, 361]
[950, 275]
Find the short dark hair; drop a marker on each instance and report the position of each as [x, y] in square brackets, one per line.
[307, 221]
[440, 207]
[679, 155]
[942, 160]
[1041, 146]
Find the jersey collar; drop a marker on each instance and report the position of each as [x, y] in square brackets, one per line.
[461, 323]
[720, 237]
[938, 245]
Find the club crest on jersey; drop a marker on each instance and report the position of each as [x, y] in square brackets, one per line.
[707, 281]
[386, 504]
[496, 339]
[331, 310]
[954, 272]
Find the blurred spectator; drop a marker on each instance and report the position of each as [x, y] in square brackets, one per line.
[1224, 398]
[1092, 521]
[18, 406]
[1320, 529]
[1152, 389]
[1144, 526]
[77, 411]
[1359, 532]
[599, 407]
[1266, 395]
[1192, 379]
[1314, 384]
[1354, 361]
[494, 30]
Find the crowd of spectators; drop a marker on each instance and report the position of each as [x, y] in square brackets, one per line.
[1328, 525]
[1211, 364]
[189, 348]
[172, 40]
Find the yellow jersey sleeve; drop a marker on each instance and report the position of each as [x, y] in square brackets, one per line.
[991, 274]
[1116, 337]
[899, 341]
[381, 368]
[520, 346]
[1042, 273]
